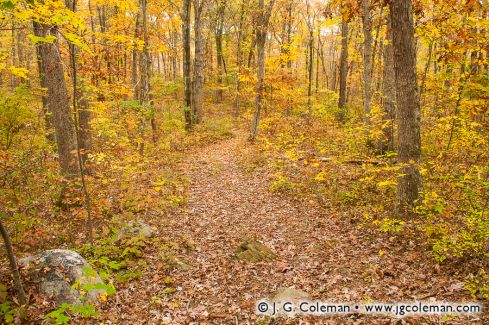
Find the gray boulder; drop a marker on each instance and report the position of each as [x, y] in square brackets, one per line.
[64, 276]
[135, 229]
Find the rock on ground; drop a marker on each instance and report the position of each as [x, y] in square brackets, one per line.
[251, 250]
[136, 229]
[56, 271]
[290, 294]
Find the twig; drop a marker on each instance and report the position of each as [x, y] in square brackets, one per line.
[352, 161]
[88, 205]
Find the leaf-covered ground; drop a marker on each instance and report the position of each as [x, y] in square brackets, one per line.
[318, 251]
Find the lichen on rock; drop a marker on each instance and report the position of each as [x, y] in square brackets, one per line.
[62, 275]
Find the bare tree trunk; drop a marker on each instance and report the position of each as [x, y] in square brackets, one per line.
[323, 65]
[57, 99]
[80, 104]
[174, 56]
[252, 48]
[21, 57]
[367, 65]
[310, 71]
[343, 70]
[318, 52]
[376, 42]
[261, 37]
[13, 54]
[389, 94]
[48, 118]
[219, 55]
[146, 99]
[290, 5]
[409, 151]
[186, 64]
[198, 91]
[76, 94]
[134, 75]
[239, 59]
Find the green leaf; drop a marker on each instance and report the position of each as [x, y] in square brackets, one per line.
[7, 4]
[37, 39]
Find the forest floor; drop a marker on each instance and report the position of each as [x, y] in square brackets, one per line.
[317, 251]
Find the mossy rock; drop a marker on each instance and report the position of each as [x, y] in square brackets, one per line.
[134, 229]
[253, 251]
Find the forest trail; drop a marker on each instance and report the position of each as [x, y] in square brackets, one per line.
[317, 251]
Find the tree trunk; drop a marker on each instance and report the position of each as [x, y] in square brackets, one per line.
[409, 139]
[57, 100]
[310, 71]
[219, 55]
[198, 91]
[261, 37]
[252, 48]
[367, 65]
[13, 55]
[174, 56]
[318, 52]
[145, 99]
[80, 103]
[186, 64]
[290, 86]
[134, 75]
[343, 70]
[48, 118]
[239, 59]
[389, 94]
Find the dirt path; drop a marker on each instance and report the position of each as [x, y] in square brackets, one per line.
[318, 252]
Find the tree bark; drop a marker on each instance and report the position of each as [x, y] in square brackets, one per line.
[134, 72]
[239, 58]
[343, 70]
[389, 94]
[221, 6]
[310, 59]
[318, 53]
[146, 99]
[81, 105]
[367, 65]
[57, 100]
[409, 139]
[198, 91]
[261, 37]
[186, 64]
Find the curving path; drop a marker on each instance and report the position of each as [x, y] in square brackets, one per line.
[318, 252]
